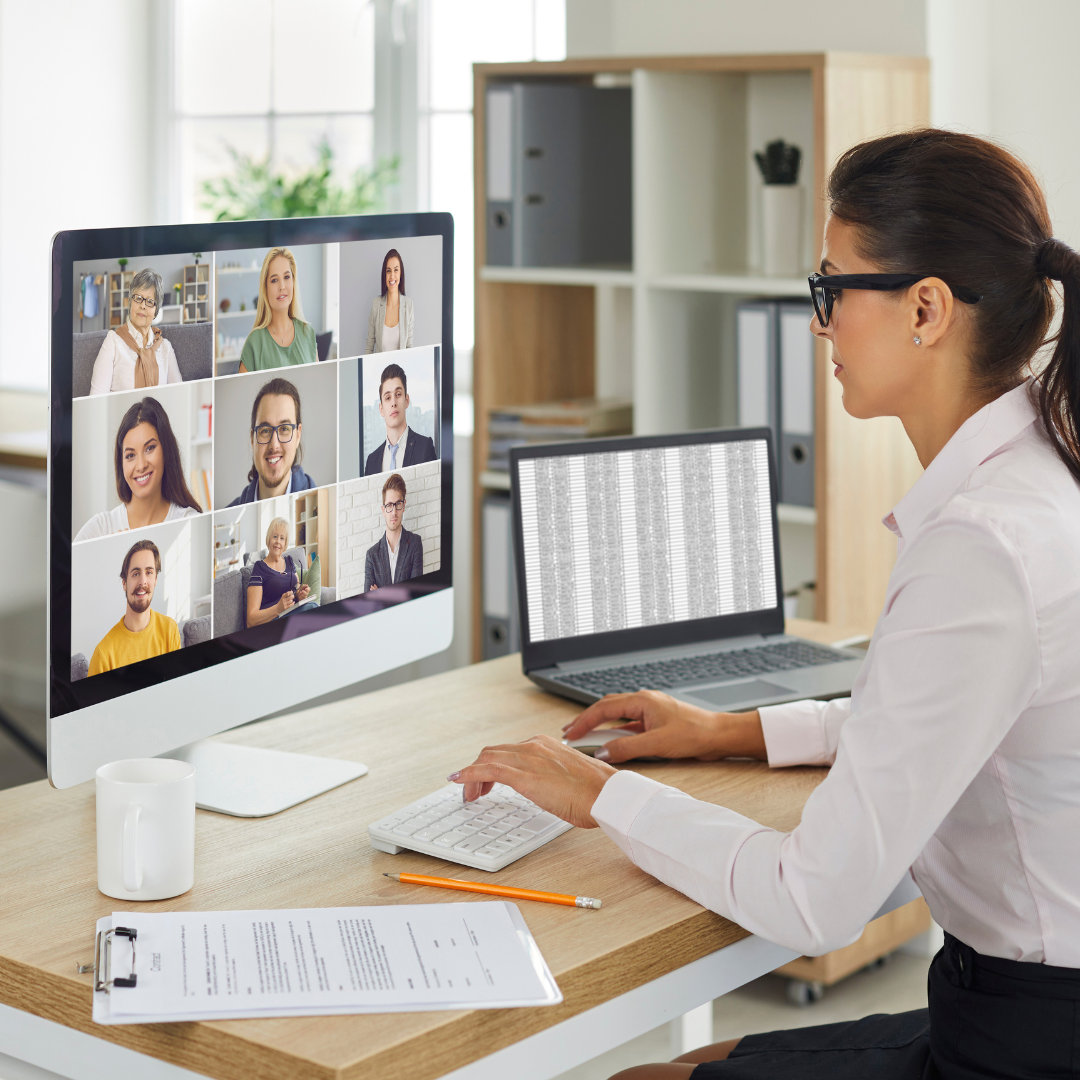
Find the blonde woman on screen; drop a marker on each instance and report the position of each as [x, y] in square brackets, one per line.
[280, 337]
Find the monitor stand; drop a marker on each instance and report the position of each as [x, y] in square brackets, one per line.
[248, 781]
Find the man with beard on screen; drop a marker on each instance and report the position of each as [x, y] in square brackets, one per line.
[141, 633]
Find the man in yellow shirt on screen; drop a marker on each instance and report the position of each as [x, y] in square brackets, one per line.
[141, 633]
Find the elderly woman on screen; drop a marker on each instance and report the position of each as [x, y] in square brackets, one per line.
[136, 355]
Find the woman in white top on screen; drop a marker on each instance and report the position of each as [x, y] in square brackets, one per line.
[390, 325]
[149, 475]
[955, 759]
[136, 354]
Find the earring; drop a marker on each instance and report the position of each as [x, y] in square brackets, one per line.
[917, 340]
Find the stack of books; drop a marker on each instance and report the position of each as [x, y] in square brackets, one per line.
[553, 421]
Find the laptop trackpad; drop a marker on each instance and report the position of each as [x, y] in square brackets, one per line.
[753, 690]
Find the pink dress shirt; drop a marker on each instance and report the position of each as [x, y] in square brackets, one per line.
[957, 757]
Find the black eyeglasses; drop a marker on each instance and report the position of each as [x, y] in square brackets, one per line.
[265, 432]
[390, 507]
[144, 301]
[824, 288]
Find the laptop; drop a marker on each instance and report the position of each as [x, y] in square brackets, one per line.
[653, 562]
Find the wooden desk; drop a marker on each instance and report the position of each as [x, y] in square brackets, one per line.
[24, 419]
[318, 854]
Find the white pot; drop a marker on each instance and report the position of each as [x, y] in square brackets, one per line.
[781, 230]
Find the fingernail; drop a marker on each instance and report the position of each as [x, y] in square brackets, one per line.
[601, 754]
[454, 777]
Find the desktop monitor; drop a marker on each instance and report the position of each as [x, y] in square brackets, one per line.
[235, 526]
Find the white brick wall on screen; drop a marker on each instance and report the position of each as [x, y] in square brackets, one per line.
[361, 524]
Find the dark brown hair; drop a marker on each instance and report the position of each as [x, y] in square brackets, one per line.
[141, 545]
[957, 207]
[392, 371]
[275, 386]
[173, 485]
[393, 253]
[394, 482]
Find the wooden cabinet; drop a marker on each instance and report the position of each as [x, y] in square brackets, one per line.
[661, 329]
[314, 530]
[118, 293]
[195, 294]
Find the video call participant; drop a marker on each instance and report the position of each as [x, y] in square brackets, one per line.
[402, 447]
[399, 555]
[280, 337]
[136, 355]
[390, 325]
[142, 632]
[274, 586]
[149, 475]
[276, 447]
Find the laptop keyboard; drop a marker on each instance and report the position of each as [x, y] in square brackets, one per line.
[707, 667]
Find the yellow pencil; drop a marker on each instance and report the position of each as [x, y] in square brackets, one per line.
[497, 890]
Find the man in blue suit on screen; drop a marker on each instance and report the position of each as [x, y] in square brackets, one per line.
[399, 554]
[402, 446]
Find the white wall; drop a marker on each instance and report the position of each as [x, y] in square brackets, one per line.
[78, 94]
[649, 27]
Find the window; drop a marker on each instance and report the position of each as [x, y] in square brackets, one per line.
[375, 78]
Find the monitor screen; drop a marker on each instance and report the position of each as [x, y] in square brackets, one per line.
[250, 472]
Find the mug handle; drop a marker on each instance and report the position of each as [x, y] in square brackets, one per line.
[130, 856]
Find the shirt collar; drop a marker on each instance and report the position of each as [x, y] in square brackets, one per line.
[976, 440]
[401, 441]
[138, 336]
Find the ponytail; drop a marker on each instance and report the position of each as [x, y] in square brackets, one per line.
[1059, 384]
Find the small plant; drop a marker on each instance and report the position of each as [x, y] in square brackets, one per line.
[176, 292]
[254, 189]
[779, 164]
[122, 262]
[196, 255]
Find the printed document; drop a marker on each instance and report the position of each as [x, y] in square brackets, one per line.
[217, 964]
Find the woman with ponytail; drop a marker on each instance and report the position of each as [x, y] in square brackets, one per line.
[957, 758]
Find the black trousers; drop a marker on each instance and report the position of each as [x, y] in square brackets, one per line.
[987, 1019]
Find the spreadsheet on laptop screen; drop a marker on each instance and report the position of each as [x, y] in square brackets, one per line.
[632, 538]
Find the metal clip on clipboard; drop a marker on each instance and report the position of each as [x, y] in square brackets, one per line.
[103, 959]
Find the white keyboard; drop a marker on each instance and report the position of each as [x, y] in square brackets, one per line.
[487, 834]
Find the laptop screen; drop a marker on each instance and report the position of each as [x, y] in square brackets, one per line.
[625, 534]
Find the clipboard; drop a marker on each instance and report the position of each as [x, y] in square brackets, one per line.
[153, 967]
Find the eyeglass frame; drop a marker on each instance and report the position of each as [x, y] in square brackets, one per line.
[144, 301]
[389, 508]
[831, 284]
[275, 429]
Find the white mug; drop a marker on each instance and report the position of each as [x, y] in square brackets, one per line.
[146, 828]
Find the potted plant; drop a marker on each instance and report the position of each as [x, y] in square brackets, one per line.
[176, 292]
[781, 208]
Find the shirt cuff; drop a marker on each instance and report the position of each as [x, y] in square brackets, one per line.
[795, 734]
[622, 799]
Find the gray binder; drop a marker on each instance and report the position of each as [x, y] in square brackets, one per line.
[758, 359]
[557, 175]
[796, 365]
[499, 599]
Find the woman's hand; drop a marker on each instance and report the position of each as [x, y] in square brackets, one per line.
[286, 601]
[562, 781]
[658, 725]
[303, 593]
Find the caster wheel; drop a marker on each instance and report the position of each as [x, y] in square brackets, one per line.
[801, 992]
[877, 964]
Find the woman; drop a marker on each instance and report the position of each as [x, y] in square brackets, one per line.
[280, 337]
[390, 325]
[136, 355]
[954, 759]
[274, 586]
[149, 475]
